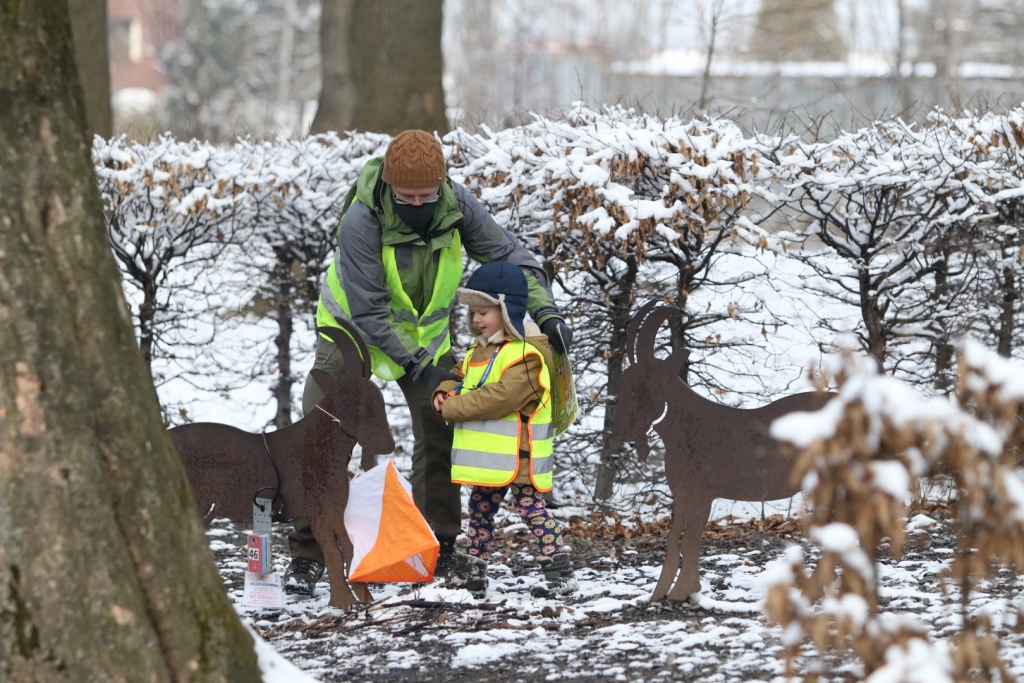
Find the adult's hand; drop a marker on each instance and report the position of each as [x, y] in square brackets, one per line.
[432, 376]
[559, 334]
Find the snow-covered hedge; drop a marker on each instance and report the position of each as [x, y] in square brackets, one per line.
[903, 235]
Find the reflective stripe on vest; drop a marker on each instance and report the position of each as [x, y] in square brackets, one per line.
[428, 330]
[486, 452]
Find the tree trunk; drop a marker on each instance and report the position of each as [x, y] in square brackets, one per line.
[336, 109]
[611, 449]
[105, 573]
[395, 53]
[283, 288]
[875, 339]
[793, 30]
[1006, 328]
[945, 48]
[89, 27]
[944, 381]
[709, 53]
[900, 81]
[382, 66]
[147, 321]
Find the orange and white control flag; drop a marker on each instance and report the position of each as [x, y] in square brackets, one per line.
[391, 541]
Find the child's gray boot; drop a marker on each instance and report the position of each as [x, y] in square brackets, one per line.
[559, 578]
[469, 572]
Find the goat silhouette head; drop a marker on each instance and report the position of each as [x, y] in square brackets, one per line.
[352, 398]
[647, 383]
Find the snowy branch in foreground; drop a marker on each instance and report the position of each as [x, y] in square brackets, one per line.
[861, 458]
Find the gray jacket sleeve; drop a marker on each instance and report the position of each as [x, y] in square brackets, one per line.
[361, 269]
[485, 241]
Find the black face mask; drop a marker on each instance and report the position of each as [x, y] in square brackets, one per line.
[416, 217]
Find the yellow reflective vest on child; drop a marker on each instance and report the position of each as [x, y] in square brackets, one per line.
[487, 452]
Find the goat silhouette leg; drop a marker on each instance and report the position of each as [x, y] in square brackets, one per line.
[329, 531]
[689, 574]
[671, 566]
[360, 590]
[341, 592]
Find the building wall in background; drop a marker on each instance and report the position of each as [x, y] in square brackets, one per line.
[137, 30]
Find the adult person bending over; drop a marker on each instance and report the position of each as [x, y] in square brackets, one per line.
[395, 276]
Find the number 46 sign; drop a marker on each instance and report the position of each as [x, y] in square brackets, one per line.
[259, 554]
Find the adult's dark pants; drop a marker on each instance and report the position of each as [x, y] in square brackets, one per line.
[433, 491]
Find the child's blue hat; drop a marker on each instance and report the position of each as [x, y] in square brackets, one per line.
[499, 283]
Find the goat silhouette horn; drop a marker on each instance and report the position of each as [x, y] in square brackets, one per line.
[634, 325]
[352, 346]
[648, 330]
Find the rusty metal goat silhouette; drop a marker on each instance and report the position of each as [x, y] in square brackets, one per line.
[305, 464]
[711, 451]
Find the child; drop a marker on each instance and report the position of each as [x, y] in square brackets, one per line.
[502, 415]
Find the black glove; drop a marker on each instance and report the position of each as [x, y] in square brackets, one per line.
[559, 334]
[432, 376]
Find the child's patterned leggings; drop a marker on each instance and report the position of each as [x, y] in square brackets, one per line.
[529, 504]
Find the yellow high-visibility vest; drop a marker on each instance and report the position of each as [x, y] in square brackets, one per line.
[427, 329]
[486, 452]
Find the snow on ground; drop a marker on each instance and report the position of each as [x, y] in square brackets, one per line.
[608, 630]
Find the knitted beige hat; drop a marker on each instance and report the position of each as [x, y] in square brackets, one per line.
[414, 159]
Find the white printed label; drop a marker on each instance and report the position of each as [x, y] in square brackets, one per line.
[263, 590]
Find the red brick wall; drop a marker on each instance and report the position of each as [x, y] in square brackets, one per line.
[152, 23]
